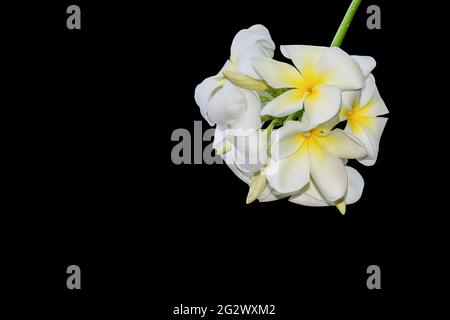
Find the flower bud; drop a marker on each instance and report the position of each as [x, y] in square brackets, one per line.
[244, 81]
[257, 186]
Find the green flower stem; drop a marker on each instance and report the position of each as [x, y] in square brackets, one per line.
[342, 31]
[272, 125]
[290, 117]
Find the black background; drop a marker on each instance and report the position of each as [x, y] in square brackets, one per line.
[93, 183]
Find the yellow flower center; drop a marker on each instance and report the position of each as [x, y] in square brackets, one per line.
[357, 117]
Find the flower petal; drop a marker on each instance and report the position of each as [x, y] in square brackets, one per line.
[203, 93]
[306, 199]
[250, 150]
[227, 105]
[373, 133]
[376, 106]
[339, 69]
[220, 134]
[342, 144]
[251, 118]
[355, 186]
[285, 104]
[311, 196]
[367, 92]
[245, 61]
[269, 194]
[256, 35]
[278, 74]
[366, 63]
[327, 172]
[289, 174]
[287, 140]
[355, 128]
[349, 98]
[323, 104]
[305, 58]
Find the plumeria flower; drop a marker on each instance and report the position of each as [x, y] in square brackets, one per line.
[300, 154]
[312, 197]
[223, 103]
[361, 110]
[316, 82]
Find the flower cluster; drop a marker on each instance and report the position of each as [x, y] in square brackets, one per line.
[288, 130]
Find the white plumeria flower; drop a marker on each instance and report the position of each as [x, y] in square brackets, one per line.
[312, 197]
[316, 83]
[226, 104]
[361, 110]
[300, 154]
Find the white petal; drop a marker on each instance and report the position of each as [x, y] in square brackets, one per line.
[250, 151]
[373, 132]
[287, 147]
[267, 44]
[203, 93]
[289, 129]
[339, 69]
[220, 134]
[263, 31]
[356, 130]
[326, 127]
[289, 174]
[227, 105]
[328, 173]
[254, 36]
[366, 63]
[251, 118]
[287, 140]
[349, 98]
[305, 58]
[270, 194]
[305, 199]
[342, 144]
[376, 106]
[355, 186]
[278, 74]
[311, 196]
[289, 102]
[323, 104]
[367, 92]
[245, 61]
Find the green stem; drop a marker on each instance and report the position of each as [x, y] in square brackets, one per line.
[290, 117]
[342, 31]
[272, 125]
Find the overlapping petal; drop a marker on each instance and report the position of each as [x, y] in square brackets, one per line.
[312, 197]
[202, 94]
[339, 69]
[278, 74]
[323, 104]
[342, 144]
[289, 174]
[305, 58]
[289, 102]
[328, 172]
[227, 105]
